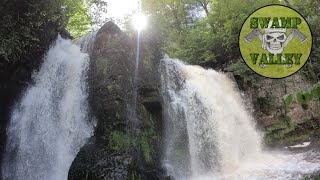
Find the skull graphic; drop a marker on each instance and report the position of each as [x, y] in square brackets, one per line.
[273, 40]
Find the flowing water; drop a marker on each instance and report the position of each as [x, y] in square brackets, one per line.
[86, 42]
[210, 134]
[50, 123]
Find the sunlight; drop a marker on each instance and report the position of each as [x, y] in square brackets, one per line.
[118, 9]
[139, 21]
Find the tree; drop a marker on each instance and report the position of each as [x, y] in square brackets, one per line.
[210, 40]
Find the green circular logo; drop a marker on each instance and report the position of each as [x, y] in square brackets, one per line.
[275, 41]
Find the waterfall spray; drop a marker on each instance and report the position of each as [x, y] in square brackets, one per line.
[50, 123]
[86, 42]
[210, 135]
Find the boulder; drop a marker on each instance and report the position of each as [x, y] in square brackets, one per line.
[112, 87]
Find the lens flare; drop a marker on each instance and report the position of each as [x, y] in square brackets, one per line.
[139, 21]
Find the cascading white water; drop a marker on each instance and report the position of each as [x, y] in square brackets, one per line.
[86, 42]
[210, 135]
[50, 123]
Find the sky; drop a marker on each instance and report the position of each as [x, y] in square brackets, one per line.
[118, 9]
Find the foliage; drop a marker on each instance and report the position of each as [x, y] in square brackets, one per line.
[146, 147]
[143, 141]
[266, 103]
[316, 133]
[278, 130]
[316, 90]
[202, 32]
[240, 68]
[310, 10]
[205, 32]
[304, 97]
[79, 22]
[28, 27]
[295, 138]
[85, 15]
[119, 141]
[146, 140]
[22, 25]
[288, 98]
[98, 9]
[308, 72]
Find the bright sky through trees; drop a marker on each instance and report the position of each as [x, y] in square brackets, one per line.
[118, 9]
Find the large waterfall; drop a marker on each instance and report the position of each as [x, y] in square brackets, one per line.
[50, 123]
[210, 134]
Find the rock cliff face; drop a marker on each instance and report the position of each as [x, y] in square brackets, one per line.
[283, 125]
[113, 152]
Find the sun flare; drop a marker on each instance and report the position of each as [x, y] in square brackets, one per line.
[139, 21]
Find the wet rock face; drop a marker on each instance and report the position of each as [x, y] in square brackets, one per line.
[111, 84]
[282, 126]
[268, 100]
[111, 77]
[95, 162]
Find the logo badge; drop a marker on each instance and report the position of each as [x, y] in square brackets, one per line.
[275, 41]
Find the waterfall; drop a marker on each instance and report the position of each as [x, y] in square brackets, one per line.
[50, 123]
[86, 42]
[211, 135]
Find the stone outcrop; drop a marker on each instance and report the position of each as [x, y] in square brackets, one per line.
[282, 125]
[113, 152]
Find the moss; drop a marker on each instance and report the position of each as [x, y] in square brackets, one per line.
[119, 141]
[316, 90]
[308, 72]
[278, 130]
[141, 140]
[146, 148]
[266, 103]
[133, 173]
[147, 138]
[135, 176]
[295, 138]
[288, 98]
[267, 139]
[102, 66]
[316, 133]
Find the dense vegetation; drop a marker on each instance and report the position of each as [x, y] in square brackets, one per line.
[205, 32]
[28, 26]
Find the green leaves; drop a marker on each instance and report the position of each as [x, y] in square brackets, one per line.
[316, 90]
[119, 141]
[303, 97]
[29, 26]
[288, 98]
[202, 32]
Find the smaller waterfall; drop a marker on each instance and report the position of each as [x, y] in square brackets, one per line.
[86, 42]
[210, 135]
[50, 123]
